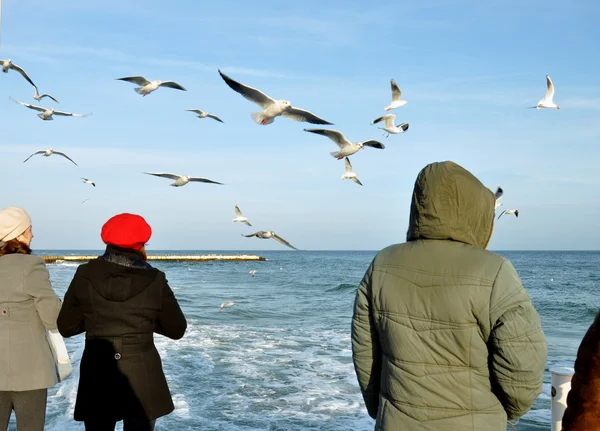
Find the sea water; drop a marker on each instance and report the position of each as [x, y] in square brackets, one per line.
[281, 359]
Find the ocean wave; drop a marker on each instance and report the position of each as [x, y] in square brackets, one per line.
[65, 264]
[342, 286]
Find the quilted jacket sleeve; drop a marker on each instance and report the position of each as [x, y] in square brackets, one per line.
[366, 352]
[517, 345]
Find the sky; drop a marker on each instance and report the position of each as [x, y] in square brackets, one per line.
[468, 69]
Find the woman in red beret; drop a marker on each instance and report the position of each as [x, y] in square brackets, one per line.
[120, 301]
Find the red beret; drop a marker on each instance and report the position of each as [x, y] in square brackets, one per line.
[127, 231]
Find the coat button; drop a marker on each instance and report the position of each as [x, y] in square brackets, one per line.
[117, 356]
[4, 312]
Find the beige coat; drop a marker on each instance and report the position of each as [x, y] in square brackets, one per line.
[28, 306]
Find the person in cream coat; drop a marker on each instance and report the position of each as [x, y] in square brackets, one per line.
[28, 306]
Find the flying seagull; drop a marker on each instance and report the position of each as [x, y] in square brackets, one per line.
[85, 201]
[498, 195]
[8, 64]
[202, 114]
[227, 304]
[396, 95]
[240, 217]
[182, 180]
[47, 113]
[38, 96]
[86, 181]
[146, 87]
[515, 212]
[48, 153]
[347, 148]
[388, 125]
[349, 175]
[268, 234]
[271, 108]
[252, 272]
[546, 101]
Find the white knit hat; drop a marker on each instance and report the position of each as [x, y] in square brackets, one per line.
[13, 222]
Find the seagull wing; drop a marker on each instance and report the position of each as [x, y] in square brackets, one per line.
[499, 193]
[549, 89]
[28, 105]
[501, 214]
[204, 180]
[389, 121]
[16, 68]
[164, 175]
[37, 152]
[249, 93]
[377, 120]
[197, 111]
[403, 126]
[356, 180]
[334, 135]
[139, 80]
[47, 95]
[214, 117]
[396, 93]
[253, 234]
[348, 164]
[70, 114]
[298, 114]
[283, 241]
[374, 144]
[238, 212]
[247, 222]
[65, 156]
[172, 84]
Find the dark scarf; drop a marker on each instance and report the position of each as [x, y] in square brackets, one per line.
[125, 257]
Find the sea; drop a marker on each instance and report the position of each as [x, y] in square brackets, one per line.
[281, 358]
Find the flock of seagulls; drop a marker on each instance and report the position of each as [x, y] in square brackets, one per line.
[271, 109]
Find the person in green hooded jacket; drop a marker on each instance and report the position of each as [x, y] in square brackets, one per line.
[444, 336]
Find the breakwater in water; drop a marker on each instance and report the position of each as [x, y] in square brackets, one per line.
[164, 258]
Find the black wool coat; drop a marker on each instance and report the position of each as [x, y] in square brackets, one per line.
[119, 301]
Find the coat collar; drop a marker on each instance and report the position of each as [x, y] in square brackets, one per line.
[125, 257]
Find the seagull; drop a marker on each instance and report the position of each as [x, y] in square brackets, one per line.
[349, 175]
[8, 64]
[86, 181]
[396, 95]
[227, 304]
[47, 113]
[182, 180]
[85, 201]
[202, 114]
[515, 212]
[252, 272]
[271, 108]
[389, 125]
[347, 148]
[146, 87]
[38, 96]
[546, 101]
[498, 195]
[268, 234]
[48, 153]
[240, 217]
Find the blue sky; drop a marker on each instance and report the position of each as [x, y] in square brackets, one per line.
[468, 69]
